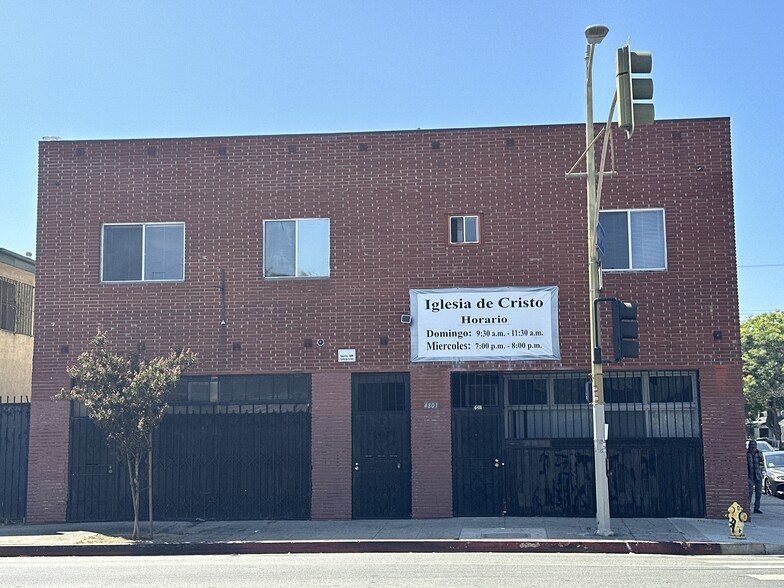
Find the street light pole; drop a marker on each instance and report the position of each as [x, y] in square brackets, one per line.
[595, 34]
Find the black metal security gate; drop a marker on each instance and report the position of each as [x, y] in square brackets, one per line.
[542, 424]
[381, 438]
[664, 477]
[98, 480]
[478, 478]
[555, 479]
[14, 443]
[232, 447]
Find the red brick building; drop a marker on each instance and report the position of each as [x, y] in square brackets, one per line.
[291, 264]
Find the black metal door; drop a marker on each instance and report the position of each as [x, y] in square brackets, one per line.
[477, 462]
[381, 446]
[477, 459]
[98, 479]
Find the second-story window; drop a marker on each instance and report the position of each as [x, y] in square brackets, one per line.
[296, 248]
[143, 252]
[7, 304]
[463, 229]
[16, 306]
[633, 240]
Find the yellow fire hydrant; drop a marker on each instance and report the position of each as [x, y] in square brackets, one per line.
[737, 518]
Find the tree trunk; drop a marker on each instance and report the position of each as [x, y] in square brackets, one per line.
[149, 482]
[133, 476]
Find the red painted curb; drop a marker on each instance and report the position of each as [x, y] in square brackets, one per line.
[370, 546]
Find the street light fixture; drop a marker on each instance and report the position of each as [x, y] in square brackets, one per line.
[595, 34]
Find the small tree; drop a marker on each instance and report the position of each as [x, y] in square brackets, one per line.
[126, 397]
[762, 342]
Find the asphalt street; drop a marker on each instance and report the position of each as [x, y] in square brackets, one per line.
[388, 569]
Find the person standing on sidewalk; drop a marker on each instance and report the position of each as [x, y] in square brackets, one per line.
[754, 467]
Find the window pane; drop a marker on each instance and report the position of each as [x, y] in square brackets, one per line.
[312, 248]
[616, 240]
[671, 389]
[647, 239]
[279, 248]
[456, 229]
[527, 392]
[122, 253]
[199, 391]
[7, 305]
[463, 229]
[622, 390]
[164, 252]
[471, 229]
[571, 390]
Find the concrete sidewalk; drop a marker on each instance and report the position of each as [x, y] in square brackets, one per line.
[764, 535]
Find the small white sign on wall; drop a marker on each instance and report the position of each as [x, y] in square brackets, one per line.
[347, 355]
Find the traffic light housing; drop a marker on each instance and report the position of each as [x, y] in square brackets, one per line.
[630, 90]
[625, 330]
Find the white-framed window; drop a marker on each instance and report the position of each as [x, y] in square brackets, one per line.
[633, 240]
[463, 229]
[143, 252]
[296, 248]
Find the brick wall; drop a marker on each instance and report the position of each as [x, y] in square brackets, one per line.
[47, 465]
[723, 433]
[431, 444]
[331, 445]
[388, 196]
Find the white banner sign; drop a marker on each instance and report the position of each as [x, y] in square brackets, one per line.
[484, 324]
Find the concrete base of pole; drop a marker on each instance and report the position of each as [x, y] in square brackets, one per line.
[600, 471]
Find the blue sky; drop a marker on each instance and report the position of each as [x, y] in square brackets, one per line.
[86, 70]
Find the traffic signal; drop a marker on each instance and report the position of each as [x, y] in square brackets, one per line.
[625, 330]
[631, 90]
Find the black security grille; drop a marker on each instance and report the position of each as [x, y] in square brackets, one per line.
[220, 453]
[475, 389]
[654, 443]
[16, 306]
[14, 443]
[638, 405]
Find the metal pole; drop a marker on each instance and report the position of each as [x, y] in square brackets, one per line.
[597, 382]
